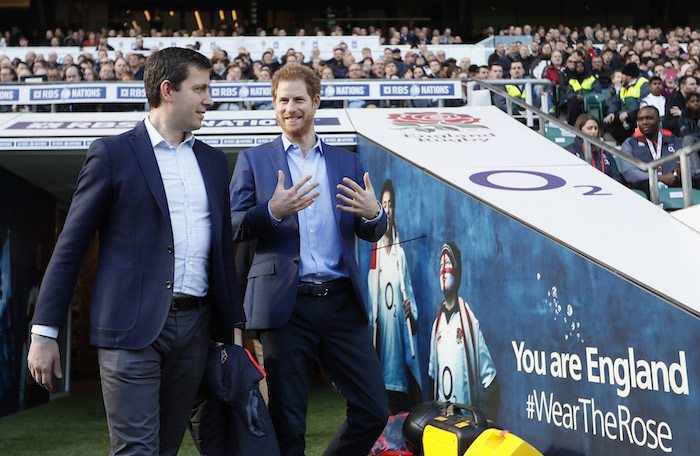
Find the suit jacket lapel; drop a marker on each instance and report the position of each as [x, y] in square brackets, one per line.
[335, 177]
[278, 156]
[141, 145]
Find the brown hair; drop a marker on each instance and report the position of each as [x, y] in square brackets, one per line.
[583, 118]
[297, 72]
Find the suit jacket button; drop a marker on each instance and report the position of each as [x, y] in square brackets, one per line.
[295, 261]
[170, 249]
[168, 284]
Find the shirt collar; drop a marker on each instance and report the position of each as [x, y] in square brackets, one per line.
[156, 138]
[287, 143]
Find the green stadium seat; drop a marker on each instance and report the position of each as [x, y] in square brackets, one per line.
[594, 104]
[558, 136]
[671, 198]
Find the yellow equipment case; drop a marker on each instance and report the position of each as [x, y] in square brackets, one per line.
[494, 442]
[452, 434]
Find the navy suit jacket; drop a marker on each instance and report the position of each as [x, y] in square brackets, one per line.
[120, 194]
[273, 278]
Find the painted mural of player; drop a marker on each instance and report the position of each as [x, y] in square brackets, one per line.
[394, 313]
[460, 364]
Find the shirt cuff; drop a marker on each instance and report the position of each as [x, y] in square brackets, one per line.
[269, 211]
[46, 331]
[376, 217]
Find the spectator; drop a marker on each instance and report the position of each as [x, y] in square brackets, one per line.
[601, 160]
[623, 109]
[581, 84]
[655, 98]
[336, 62]
[650, 143]
[689, 122]
[675, 103]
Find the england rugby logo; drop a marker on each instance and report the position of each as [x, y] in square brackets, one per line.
[430, 122]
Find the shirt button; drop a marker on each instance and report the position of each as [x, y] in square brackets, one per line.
[168, 284]
[295, 261]
[170, 249]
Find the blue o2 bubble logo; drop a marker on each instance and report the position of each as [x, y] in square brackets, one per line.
[551, 181]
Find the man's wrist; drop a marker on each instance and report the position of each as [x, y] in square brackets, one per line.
[375, 216]
[39, 339]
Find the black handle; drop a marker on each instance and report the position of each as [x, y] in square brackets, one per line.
[479, 417]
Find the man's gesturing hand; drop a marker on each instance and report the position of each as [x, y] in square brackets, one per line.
[357, 200]
[286, 202]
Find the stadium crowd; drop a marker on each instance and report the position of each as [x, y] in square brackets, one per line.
[615, 69]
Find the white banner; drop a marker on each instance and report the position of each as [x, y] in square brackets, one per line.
[516, 170]
[255, 45]
[223, 91]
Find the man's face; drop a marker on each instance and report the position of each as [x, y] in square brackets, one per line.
[192, 100]
[656, 87]
[571, 63]
[496, 72]
[516, 70]
[447, 273]
[72, 74]
[693, 104]
[355, 71]
[388, 205]
[483, 73]
[648, 121]
[294, 108]
[690, 86]
[597, 63]
[6, 75]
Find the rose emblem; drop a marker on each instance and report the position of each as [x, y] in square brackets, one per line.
[433, 121]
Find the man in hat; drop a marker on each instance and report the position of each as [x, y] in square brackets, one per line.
[623, 109]
[460, 364]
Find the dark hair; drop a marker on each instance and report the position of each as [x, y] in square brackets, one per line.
[297, 72]
[493, 64]
[654, 108]
[692, 95]
[583, 118]
[655, 78]
[684, 79]
[388, 187]
[170, 64]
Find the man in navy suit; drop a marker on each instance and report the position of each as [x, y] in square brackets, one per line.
[305, 202]
[158, 198]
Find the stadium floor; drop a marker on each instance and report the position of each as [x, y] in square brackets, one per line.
[75, 425]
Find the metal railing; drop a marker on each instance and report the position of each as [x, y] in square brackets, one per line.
[651, 168]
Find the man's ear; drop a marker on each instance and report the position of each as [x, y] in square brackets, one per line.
[166, 90]
[316, 101]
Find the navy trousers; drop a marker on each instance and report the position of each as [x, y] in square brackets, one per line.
[332, 329]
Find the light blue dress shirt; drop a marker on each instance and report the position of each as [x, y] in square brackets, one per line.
[189, 211]
[321, 254]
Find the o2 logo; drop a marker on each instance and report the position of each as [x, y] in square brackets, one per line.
[550, 182]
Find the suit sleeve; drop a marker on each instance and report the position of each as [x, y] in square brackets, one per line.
[90, 205]
[249, 216]
[235, 293]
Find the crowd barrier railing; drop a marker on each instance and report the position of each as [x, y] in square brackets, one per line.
[651, 168]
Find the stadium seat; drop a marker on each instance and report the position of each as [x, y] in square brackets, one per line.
[594, 104]
[557, 135]
[671, 198]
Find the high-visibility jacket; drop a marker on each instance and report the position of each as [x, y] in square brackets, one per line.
[586, 85]
[514, 91]
[630, 95]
